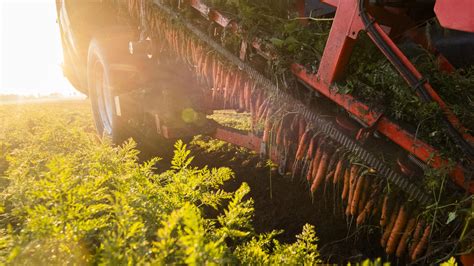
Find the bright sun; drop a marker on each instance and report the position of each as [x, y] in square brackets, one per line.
[30, 49]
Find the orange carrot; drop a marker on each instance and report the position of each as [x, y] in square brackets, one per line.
[320, 174]
[253, 108]
[182, 49]
[303, 144]
[222, 77]
[247, 96]
[242, 100]
[176, 41]
[200, 62]
[310, 170]
[338, 171]
[301, 126]
[284, 128]
[365, 194]
[279, 135]
[228, 76]
[312, 146]
[168, 38]
[331, 168]
[240, 89]
[357, 194]
[190, 50]
[267, 105]
[267, 126]
[422, 244]
[214, 80]
[220, 82]
[253, 92]
[389, 227]
[261, 109]
[404, 240]
[365, 212]
[258, 102]
[397, 230]
[329, 175]
[317, 160]
[172, 33]
[245, 84]
[352, 185]
[376, 208]
[218, 75]
[266, 131]
[193, 52]
[385, 210]
[253, 87]
[348, 210]
[205, 67]
[235, 85]
[214, 72]
[416, 236]
[345, 190]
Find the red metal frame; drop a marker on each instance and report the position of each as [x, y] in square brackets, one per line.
[341, 40]
[248, 141]
[391, 130]
[342, 37]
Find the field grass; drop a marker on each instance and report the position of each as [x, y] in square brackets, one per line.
[230, 118]
[68, 197]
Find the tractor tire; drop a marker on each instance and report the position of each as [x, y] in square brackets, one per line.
[111, 72]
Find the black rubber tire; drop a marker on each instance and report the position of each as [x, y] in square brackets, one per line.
[111, 116]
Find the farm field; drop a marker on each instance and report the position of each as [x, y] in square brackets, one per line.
[68, 196]
[236, 132]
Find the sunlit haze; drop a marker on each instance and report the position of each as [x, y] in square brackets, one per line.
[30, 49]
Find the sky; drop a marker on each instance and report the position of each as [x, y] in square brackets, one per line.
[30, 49]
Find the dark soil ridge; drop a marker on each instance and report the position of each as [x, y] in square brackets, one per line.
[288, 205]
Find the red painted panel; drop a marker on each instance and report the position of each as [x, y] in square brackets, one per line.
[456, 14]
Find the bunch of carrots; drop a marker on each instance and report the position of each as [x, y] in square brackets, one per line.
[323, 162]
[315, 156]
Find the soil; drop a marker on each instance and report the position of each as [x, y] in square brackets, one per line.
[283, 203]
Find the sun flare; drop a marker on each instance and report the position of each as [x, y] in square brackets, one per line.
[30, 49]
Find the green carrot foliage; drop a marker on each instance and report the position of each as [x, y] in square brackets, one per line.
[69, 198]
